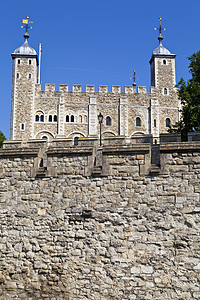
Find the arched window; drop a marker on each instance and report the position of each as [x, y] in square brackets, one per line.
[80, 119]
[168, 122]
[72, 118]
[67, 118]
[37, 118]
[29, 76]
[50, 118]
[17, 75]
[29, 61]
[18, 61]
[85, 119]
[42, 118]
[154, 122]
[44, 137]
[108, 121]
[164, 62]
[55, 118]
[138, 121]
[165, 91]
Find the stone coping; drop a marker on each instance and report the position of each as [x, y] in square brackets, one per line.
[180, 147]
[137, 148]
[67, 151]
[19, 152]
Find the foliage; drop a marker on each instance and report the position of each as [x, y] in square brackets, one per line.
[189, 93]
[2, 139]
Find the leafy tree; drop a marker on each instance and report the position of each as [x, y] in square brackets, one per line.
[189, 93]
[2, 138]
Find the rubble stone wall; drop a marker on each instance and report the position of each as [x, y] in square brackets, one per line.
[121, 236]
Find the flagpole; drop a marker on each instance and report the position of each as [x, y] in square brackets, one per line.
[40, 51]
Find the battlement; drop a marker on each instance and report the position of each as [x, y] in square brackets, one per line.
[77, 88]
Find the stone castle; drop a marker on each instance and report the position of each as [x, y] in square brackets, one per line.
[73, 114]
[117, 221]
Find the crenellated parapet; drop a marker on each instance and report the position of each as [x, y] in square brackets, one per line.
[102, 89]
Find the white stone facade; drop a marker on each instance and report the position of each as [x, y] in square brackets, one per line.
[48, 113]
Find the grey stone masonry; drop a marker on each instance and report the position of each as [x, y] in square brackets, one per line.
[122, 233]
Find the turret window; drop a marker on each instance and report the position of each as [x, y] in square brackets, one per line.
[29, 76]
[42, 118]
[164, 62]
[154, 122]
[22, 126]
[29, 62]
[67, 118]
[17, 75]
[18, 61]
[37, 118]
[72, 118]
[138, 122]
[80, 119]
[55, 118]
[168, 122]
[165, 91]
[50, 118]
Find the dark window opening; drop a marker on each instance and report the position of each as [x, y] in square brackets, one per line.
[67, 118]
[55, 118]
[168, 122]
[76, 141]
[37, 118]
[44, 137]
[41, 163]
[29, 76]
[164, 62]
[18, 61]
[29, 61]
[17, 75]
[22, 126]
[154, 122]
[138, 121]
[50, 118]
[42, 118]
[72, 118]
[165, 91]
[108, 121]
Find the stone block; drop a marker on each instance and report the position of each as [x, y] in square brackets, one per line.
[135, 270]
[147, 269]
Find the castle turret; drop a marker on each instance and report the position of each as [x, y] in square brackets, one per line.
[162, 67]
[163, 83]
[24, 78]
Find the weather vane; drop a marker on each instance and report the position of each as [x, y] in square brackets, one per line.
[134, 78]
[160, 27]
[27, 23]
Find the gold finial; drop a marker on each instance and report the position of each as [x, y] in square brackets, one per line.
[26, 22]
[160, 27]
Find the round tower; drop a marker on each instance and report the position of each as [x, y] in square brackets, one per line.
[24, 78]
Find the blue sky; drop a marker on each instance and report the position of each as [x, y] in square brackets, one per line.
[96, 41]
